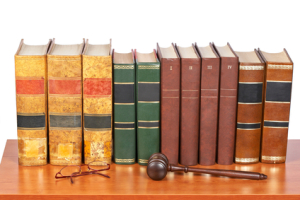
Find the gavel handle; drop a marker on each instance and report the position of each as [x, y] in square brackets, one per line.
[219, 172]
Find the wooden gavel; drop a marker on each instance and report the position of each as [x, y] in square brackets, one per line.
[158, 166]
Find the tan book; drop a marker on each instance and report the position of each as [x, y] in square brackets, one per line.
[31, 98]
[97, 103]
[65, 103]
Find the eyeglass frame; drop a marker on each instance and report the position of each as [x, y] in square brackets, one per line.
[90, 171]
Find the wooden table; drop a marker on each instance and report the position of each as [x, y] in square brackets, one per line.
[132, 182]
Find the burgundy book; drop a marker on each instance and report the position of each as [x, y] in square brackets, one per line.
[189, 117]
[170, 102]
[228, 104]
[209, 102]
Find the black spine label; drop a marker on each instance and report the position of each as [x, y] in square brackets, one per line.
[149, 92]
[65, 121]
[250, 93]
[124, 93]
[278, 91]
[30, 121]
[248, 126]
[276, 124]
[97, 121]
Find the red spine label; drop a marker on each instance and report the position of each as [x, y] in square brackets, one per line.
[64, 86]
[30, 86]
[97, 86]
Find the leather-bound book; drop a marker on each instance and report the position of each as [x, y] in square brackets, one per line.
[209, 103]
[97, 103]
[277, 101]
[227, 104]
[31, 98]
[189, 108]
[124, 108]
[148, 105]
[170, 102]
[249, 110]
[65, 103]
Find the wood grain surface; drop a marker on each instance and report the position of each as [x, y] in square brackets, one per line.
[132, 182]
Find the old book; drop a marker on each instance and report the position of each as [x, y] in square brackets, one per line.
[209, 103]
[170, 102]
[97, 103]
[190, 91]
[276, 111]
[31, 98]
[65, 103]
[124, 108]
[249, 110]
[148, 105]
[227, 104]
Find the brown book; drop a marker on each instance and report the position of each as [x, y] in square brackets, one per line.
[277, 100]
[170, 102]
[228, 103]
[249, 110]
[209, 102]
[189, 108]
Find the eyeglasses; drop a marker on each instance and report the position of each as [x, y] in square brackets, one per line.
[71, 171]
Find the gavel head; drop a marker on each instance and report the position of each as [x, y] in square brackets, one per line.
[157, 167]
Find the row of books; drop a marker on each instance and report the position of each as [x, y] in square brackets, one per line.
[194, 104]
[230, 106]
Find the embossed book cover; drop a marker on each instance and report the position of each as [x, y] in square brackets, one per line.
[227, 104]
[277, 102]
[209, 102]
[97, 103]
[65, 103]
[31, 98]
[148, 105]
[249, 111]
[170, 102]
[124, 108]
[189, 109]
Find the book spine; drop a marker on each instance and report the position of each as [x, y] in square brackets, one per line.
[65, 109]
[277, 99]
[249, 113]
[209, 110]
[148, 110]
[170, 107]
[31, 99]
[124, 114]
[227, 110]
[97, 109]
[189, 123]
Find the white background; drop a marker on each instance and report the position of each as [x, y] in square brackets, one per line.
[269, 25]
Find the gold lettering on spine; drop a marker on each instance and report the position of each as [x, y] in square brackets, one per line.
[124, 67]
[246, 160]
[143, 161]
[124, 160]
[289, 67]
[247, 67]
[273, 158]
[149, 67]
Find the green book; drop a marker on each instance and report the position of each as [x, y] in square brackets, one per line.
[124, 108]
[147, 105]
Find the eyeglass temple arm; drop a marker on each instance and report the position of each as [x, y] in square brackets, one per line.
[62, 176]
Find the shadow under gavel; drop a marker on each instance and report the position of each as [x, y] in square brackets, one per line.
[158, 166]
